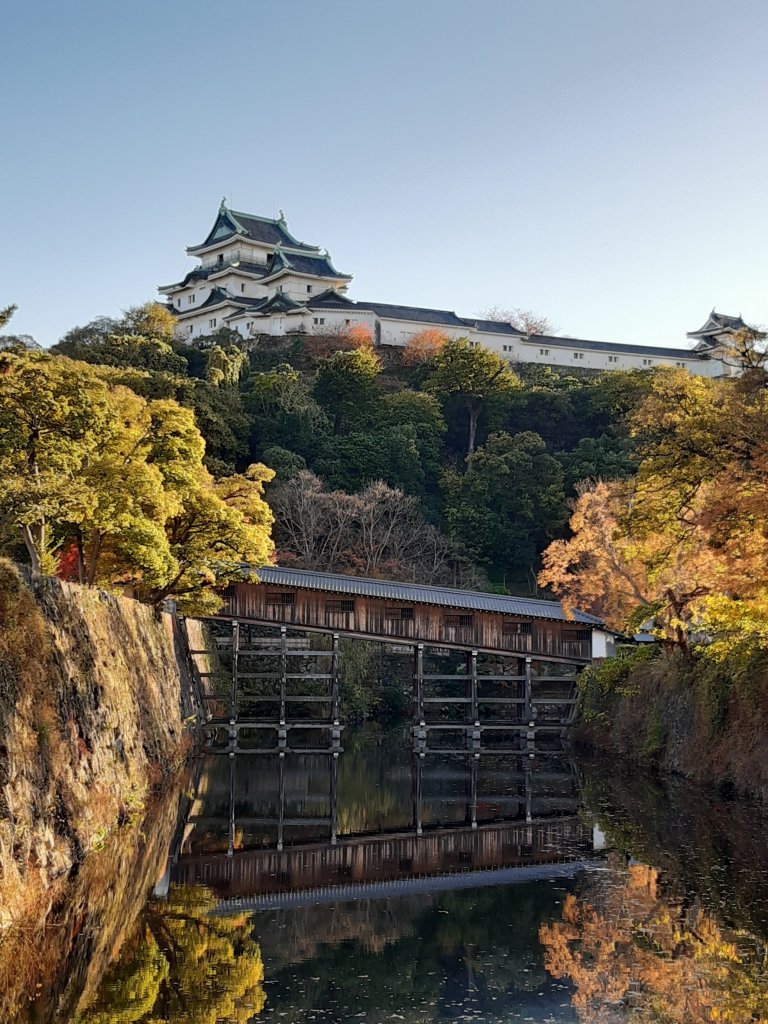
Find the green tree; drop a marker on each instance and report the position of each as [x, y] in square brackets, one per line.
[225, 365]
[123, 479]
[352, 461]
[5, 314]
[509, 503]
[474, 376]
[420, 412]
[187, 966]
[282, 411]
[141, 338]
[597, 458]
[345, 386]
[220, 534]
[55, 416]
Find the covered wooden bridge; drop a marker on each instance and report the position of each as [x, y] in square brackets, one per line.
[408, 613]
[521, 658]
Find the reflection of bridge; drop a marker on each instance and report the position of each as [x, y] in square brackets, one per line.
[456, 815]
[362, 867]
[521, 658]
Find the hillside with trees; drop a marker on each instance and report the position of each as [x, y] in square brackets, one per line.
[440, 462]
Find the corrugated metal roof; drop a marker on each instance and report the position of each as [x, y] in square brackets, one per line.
[447, 597]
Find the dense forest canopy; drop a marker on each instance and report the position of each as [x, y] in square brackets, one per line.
[440, 462]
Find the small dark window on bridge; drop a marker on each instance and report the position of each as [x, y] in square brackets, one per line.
[398, 614]
[458, 620]
[340, 605]
[406, 863]
[576, 636]
[465, 856]
[283, 877]
[511, 628]
[280, 597]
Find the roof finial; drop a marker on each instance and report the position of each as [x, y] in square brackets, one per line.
[223, 206]
[281, 219]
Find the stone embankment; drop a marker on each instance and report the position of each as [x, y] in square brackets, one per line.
[93, 697]
[693, 717]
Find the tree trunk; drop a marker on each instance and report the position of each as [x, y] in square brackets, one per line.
[32, 550]
[474, 416]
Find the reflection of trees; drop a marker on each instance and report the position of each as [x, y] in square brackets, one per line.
[477, 945]
[635, 955]
[186, 966]
[374, 783]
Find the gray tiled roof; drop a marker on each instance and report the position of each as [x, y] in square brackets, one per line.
[391, 312]
[271, 232]
[716, 323]
[216, 296]
[493, 327]
[258, 229]
[417, 594]
[202, 273]
[608, 346]
[317, 266]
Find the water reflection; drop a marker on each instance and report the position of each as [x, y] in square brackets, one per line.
[383, 886]
[377, 821]
[634, 952]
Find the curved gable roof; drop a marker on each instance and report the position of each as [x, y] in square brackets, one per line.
[266, 230]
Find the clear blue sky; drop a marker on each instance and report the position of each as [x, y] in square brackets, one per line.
[600, 161]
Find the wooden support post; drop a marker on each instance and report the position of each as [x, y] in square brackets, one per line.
[336, 682]
[235, 653]
[528, 791]
[283, 671]
[416, 777]
[529, 710]
[334, 798]
[418, 681]
[472, 666]
[231, 842]
[473, 770]
[281, 803]
[520, 689]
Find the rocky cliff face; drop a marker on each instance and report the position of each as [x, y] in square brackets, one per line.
[91, 718]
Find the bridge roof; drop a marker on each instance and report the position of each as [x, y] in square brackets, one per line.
[415, 593]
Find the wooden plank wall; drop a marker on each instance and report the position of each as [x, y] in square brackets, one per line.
[417, 623]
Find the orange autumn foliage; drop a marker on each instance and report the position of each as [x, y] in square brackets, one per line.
[422, 347]
[628, 948]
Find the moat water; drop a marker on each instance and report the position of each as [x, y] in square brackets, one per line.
[383, 886]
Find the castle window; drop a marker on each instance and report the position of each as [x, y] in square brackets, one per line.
[309, 289]
[613, 359]
[212, 322]
[318, 320]
[647, 362]
[578, 355]
[221, 257]
[280, 598]
[242, 287]
[341, 604]
[681, 365]
[543, 351]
